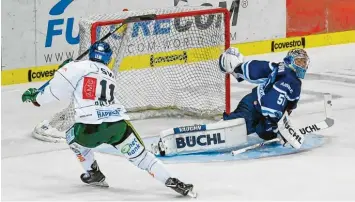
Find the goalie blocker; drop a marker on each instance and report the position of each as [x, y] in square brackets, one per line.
[222, 135]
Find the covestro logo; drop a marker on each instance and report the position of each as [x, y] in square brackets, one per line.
[288, 44]
[164, 60]
[40, 75]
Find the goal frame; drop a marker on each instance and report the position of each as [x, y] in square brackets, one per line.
[177, 15]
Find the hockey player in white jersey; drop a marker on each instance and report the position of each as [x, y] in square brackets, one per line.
[99, 117]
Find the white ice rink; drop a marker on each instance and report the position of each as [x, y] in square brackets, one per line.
[35, 170]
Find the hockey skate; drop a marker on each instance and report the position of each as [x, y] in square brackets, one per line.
[94, 176]
[180, 187]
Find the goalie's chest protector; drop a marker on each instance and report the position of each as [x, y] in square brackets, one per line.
[95, 101]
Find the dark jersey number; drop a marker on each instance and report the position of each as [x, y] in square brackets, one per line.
[102, 97]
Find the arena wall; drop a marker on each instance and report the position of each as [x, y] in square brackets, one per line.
[38, 35]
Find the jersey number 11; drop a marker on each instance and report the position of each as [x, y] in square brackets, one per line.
[102, 97]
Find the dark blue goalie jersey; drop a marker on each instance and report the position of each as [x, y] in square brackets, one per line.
[279, 88]
[255, 71]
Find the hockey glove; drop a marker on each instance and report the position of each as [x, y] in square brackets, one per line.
[291, 106]
[65, 62]
[30, 96]
[230, 116]
[272, 126]
[230, 59]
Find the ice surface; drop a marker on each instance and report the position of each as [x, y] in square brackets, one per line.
[35, 170]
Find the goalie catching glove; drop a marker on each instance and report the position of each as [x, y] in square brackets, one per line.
[230, 59]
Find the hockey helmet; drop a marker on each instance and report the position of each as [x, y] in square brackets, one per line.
[100, 52]
[298, 61]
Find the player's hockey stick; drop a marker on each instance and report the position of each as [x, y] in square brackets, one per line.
[127, 20]
[328, 122]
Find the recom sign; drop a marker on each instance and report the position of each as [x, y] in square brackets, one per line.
[160, 27]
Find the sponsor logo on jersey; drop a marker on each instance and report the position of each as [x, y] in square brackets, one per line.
[201, 140]
[70, 137]
[278, 46]
[187, 129]
[168, 59]
[33, 75]
[101, 114]
[286, 85]
[80, 157]
[86, 115]
[309, 129]
[131, 148]
[291, 131]
[89, 88]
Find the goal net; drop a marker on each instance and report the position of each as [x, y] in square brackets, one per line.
[164, 67]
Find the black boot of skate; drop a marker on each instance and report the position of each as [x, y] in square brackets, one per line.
[94, 176]
[180, 187]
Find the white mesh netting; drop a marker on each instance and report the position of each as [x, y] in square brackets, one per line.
[165, 67]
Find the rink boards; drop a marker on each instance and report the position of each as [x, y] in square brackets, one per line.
[275, 149]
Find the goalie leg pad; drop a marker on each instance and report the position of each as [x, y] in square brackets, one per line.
[210, 137]
[135, 152]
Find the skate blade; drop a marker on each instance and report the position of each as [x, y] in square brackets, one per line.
[99, 184]
[192, 194]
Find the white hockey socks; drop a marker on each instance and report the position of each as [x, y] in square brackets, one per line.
[85, 155]
[154, 166]
[135, 152]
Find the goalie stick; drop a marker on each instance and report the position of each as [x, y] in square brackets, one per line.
[127, 20]
[326, 123]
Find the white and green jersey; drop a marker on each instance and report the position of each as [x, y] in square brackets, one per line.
[92, 86]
